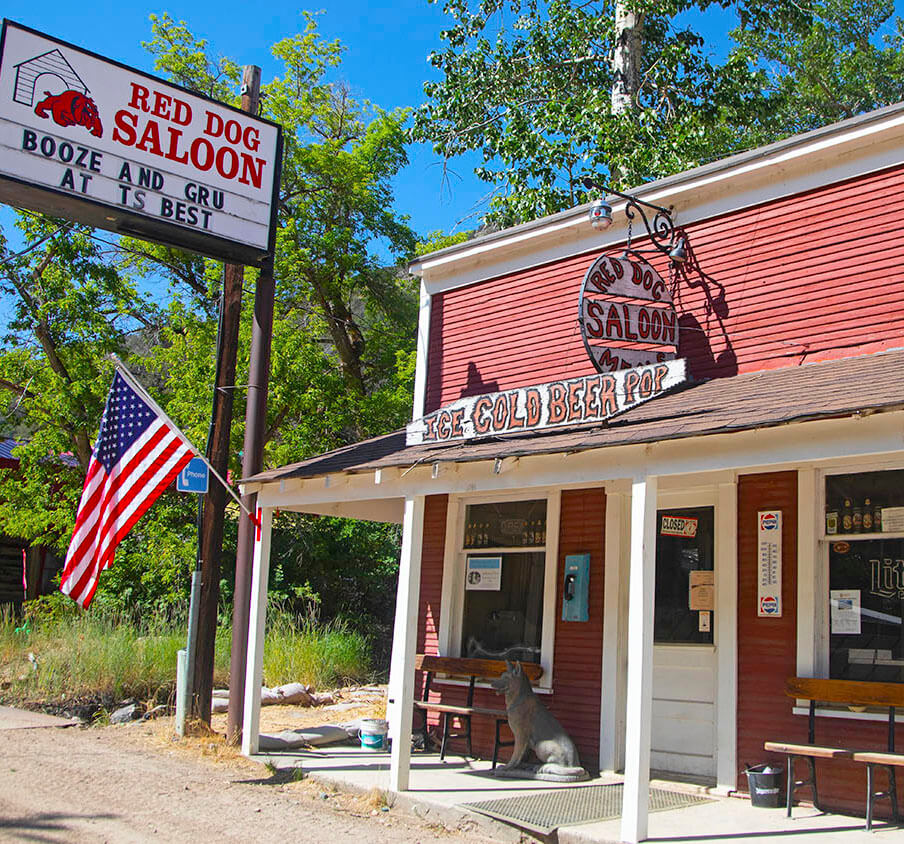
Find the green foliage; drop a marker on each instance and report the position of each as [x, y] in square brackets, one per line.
[827, 61]
[439, 240]
[110, 655]
[344, 325]
[529, 85]
[349, 564]
[323, 656]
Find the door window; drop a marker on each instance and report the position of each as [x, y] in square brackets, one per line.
[684, 576]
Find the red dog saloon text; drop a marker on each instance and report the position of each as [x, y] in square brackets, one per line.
[229, 152]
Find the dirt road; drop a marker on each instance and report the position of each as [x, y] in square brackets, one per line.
[125, 784]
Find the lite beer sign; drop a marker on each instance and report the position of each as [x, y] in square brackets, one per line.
[104, 144]
[576, 401]
[626, 314]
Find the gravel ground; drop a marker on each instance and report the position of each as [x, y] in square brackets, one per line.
[135, 783]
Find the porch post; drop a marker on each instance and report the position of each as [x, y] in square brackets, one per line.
[613, 689]
[639, 703]
[404, 637]
[254, 667]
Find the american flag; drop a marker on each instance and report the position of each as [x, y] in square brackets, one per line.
[137, 455]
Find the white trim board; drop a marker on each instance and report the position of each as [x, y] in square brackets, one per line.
[452, 595]
[877, 437]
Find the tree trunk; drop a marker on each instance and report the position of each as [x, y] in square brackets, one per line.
[626, 56]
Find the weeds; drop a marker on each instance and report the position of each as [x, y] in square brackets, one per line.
[109, 656]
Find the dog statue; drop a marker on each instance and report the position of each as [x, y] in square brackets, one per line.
[535, 728]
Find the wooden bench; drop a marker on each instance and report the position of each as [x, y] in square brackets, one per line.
[847, 693]
[472, 670]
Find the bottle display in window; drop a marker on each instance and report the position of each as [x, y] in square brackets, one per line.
[866, 519]
[856, 519]
[505, 524]
[847, 517]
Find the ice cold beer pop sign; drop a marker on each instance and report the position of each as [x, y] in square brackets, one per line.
[575, 401]
[100, 143]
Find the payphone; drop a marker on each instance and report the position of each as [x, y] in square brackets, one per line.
[576, 588]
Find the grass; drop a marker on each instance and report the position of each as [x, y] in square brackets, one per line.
[104, 656]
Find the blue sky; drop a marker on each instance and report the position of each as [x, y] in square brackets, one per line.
[385, 61]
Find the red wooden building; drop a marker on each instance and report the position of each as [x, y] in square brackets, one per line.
[784, 440]
[26, 571]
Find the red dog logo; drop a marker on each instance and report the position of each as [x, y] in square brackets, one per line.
[71, 108]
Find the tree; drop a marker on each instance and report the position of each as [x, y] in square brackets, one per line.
[70, 309]
[828, 62]
[342, 333]
[343, 352]
[552, 91]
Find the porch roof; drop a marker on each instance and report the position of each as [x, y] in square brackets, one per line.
[859, 385]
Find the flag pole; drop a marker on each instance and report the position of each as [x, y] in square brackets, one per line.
[136, 385]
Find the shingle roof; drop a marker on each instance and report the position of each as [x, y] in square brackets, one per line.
[6, 449]
[722, 405]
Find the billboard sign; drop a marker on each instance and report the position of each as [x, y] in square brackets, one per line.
[626, 314]
[97, 142]
[576, 401]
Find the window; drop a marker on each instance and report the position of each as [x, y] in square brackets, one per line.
[864, 524]
[684, 547]
[504, 547]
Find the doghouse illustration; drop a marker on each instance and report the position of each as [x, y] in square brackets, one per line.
[48, 72]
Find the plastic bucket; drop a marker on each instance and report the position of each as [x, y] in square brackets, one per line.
[766, 786]
[373, 733]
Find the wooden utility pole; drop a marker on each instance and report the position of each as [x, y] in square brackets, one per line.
[218, 455]
[252, 462]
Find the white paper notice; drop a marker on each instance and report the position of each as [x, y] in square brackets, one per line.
[701, 590]
[484, 573]
[845, 610]
[769, 563]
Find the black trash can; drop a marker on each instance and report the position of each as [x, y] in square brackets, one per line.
[767, 786]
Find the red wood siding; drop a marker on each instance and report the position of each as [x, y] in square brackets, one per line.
[577, 661]
[767, 655]
[808, 277]
[432, 553]
[577, 664]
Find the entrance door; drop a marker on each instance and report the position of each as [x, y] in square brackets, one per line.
[684, 653]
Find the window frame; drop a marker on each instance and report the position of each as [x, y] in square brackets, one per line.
[454, 565]
[813, 618]
[823, 652]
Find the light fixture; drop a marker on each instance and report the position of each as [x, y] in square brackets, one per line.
[601, 215]
[660, 229]
[678, 253]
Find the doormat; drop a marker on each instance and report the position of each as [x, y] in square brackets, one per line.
[544, 811]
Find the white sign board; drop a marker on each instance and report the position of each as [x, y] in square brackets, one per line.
[627, 316]
[484, 574]
[679, 526]
[845, 610]
[701, 590]
[87, 138]
[573, 402]
[769, 563]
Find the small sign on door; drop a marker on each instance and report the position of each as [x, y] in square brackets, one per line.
[701, 591]
[484, 574]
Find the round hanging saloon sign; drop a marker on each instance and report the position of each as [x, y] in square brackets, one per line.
[626, 314]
